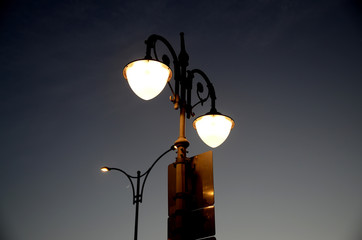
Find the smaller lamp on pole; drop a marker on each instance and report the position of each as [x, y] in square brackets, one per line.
[213, 128]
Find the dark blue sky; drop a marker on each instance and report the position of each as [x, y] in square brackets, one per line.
[288, 72]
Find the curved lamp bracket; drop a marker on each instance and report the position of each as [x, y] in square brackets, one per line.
[151, 45]
[200, 89]
[180, 63]
[137, 194]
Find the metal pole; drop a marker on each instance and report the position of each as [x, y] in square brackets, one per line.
[182, 144]
[137, 201]
[181, 189]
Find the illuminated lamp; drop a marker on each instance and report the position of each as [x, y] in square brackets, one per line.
[213, 128]
[146, 77]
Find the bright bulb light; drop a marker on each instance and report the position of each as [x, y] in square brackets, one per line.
[213, 129]
[104, 169]
[147, 78]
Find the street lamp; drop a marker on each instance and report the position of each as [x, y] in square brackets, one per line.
[138, 192]
[147, 78]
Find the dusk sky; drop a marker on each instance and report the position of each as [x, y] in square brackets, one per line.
[288, 72]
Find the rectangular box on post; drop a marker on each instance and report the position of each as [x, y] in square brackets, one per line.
[198, 220]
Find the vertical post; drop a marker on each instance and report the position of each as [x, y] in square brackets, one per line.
[137, 201]
[184, 62]
[181, 189]
[181, 144]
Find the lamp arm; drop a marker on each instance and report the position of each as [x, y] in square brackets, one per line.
[199, 89]
[130, 180]
[137, 197]
[150, 168]
[151, 44]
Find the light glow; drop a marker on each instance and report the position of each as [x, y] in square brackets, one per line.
[147, 78]
[104, 169]
[213, 129]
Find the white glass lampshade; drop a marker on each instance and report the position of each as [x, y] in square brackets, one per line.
[213, 129]
[147, 78]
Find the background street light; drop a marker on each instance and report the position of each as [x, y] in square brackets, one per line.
[138, 191]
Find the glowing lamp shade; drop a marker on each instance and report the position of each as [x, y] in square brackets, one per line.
[213, 129]
[147, 78]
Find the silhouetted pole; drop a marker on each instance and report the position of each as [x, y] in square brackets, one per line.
[138, 192]
[181, 144]
[137, 205]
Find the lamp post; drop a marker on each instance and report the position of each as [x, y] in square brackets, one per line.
[138, 193]
[147, 77]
